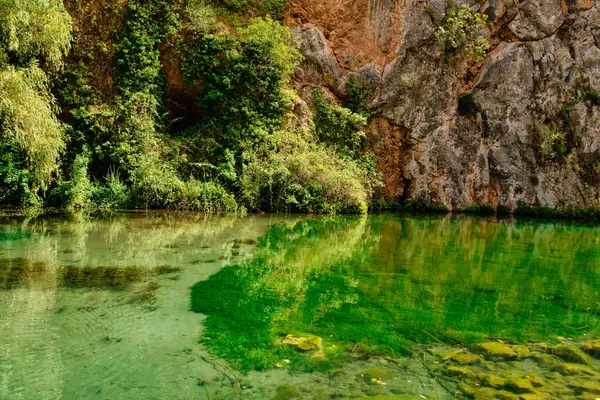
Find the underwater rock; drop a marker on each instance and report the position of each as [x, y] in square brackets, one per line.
[535, 380]
[467, 390]
[495, 351]
[493, 381]
[573, 369]
[518, 385]
[587, 386]
[522, 351]
[592, 348]
[285, 392]
[489, 394]
[570, 353]
[376, 376]
[535, 396]
[465, 359]
[304, 342]
[544, 360]
[461, 372]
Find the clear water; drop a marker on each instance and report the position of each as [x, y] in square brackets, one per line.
[100, 307]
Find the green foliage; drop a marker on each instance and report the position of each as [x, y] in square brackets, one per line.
[243, 77]
[77, 192]
[148, 22]
[241, 152]
[338, 126]
[356, 94]
[586, 93]
[35, 29]
[255, 8]
[31, 32]
[27, 119]
[553, 140]
[309, 177]
[14, 177]
[111, 194]
[202, 16]
[461, 30]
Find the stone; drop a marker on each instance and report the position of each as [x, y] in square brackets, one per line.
[544, 360]
[489, 394]
[425, 149]
[518, 385]
[467, 390]
[592, 348]
[493, 381]
[522, 351]
[570, 353]
[536, 396]
[535, 380]
[461, 372]
[537, 19]
[586, 386]
[304, 342]
[466, 359]
[495, 351]
[573, 369]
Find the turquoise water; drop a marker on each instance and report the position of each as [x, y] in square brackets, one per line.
[99, 307]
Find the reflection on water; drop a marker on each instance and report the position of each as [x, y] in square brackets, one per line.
[99, 307]
[382, 285]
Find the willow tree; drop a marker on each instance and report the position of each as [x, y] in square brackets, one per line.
[35, 35]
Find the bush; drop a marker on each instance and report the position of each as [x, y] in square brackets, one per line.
[308, 177]
[243, 77]
[14, 177]
[553, 140]
[112, 194]
[461, 30]
[202, 16]
[338, 126]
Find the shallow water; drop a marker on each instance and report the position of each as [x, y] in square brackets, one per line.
[99, 307]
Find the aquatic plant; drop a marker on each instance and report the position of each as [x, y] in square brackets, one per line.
[382, 285]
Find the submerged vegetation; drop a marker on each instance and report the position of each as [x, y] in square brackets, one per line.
[236, 148]
[374, 287]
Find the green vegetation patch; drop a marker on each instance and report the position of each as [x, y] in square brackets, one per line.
[461, 31]
[381, 285]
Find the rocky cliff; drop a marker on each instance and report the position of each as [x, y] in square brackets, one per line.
[522, 125]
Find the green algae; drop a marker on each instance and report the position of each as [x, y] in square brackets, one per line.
[381, 285]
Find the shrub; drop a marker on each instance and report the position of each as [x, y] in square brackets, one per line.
[338, 126]
[77, 192]
[111, 194]
[553, 140]
[14, 177]
[308, 177]
[202, 16]
[243, 77]
[461, 30]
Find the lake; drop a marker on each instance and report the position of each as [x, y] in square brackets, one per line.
[152, 305]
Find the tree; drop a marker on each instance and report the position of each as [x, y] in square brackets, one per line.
[35, 35]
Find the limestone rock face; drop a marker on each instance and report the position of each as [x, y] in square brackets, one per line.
[540, 76]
